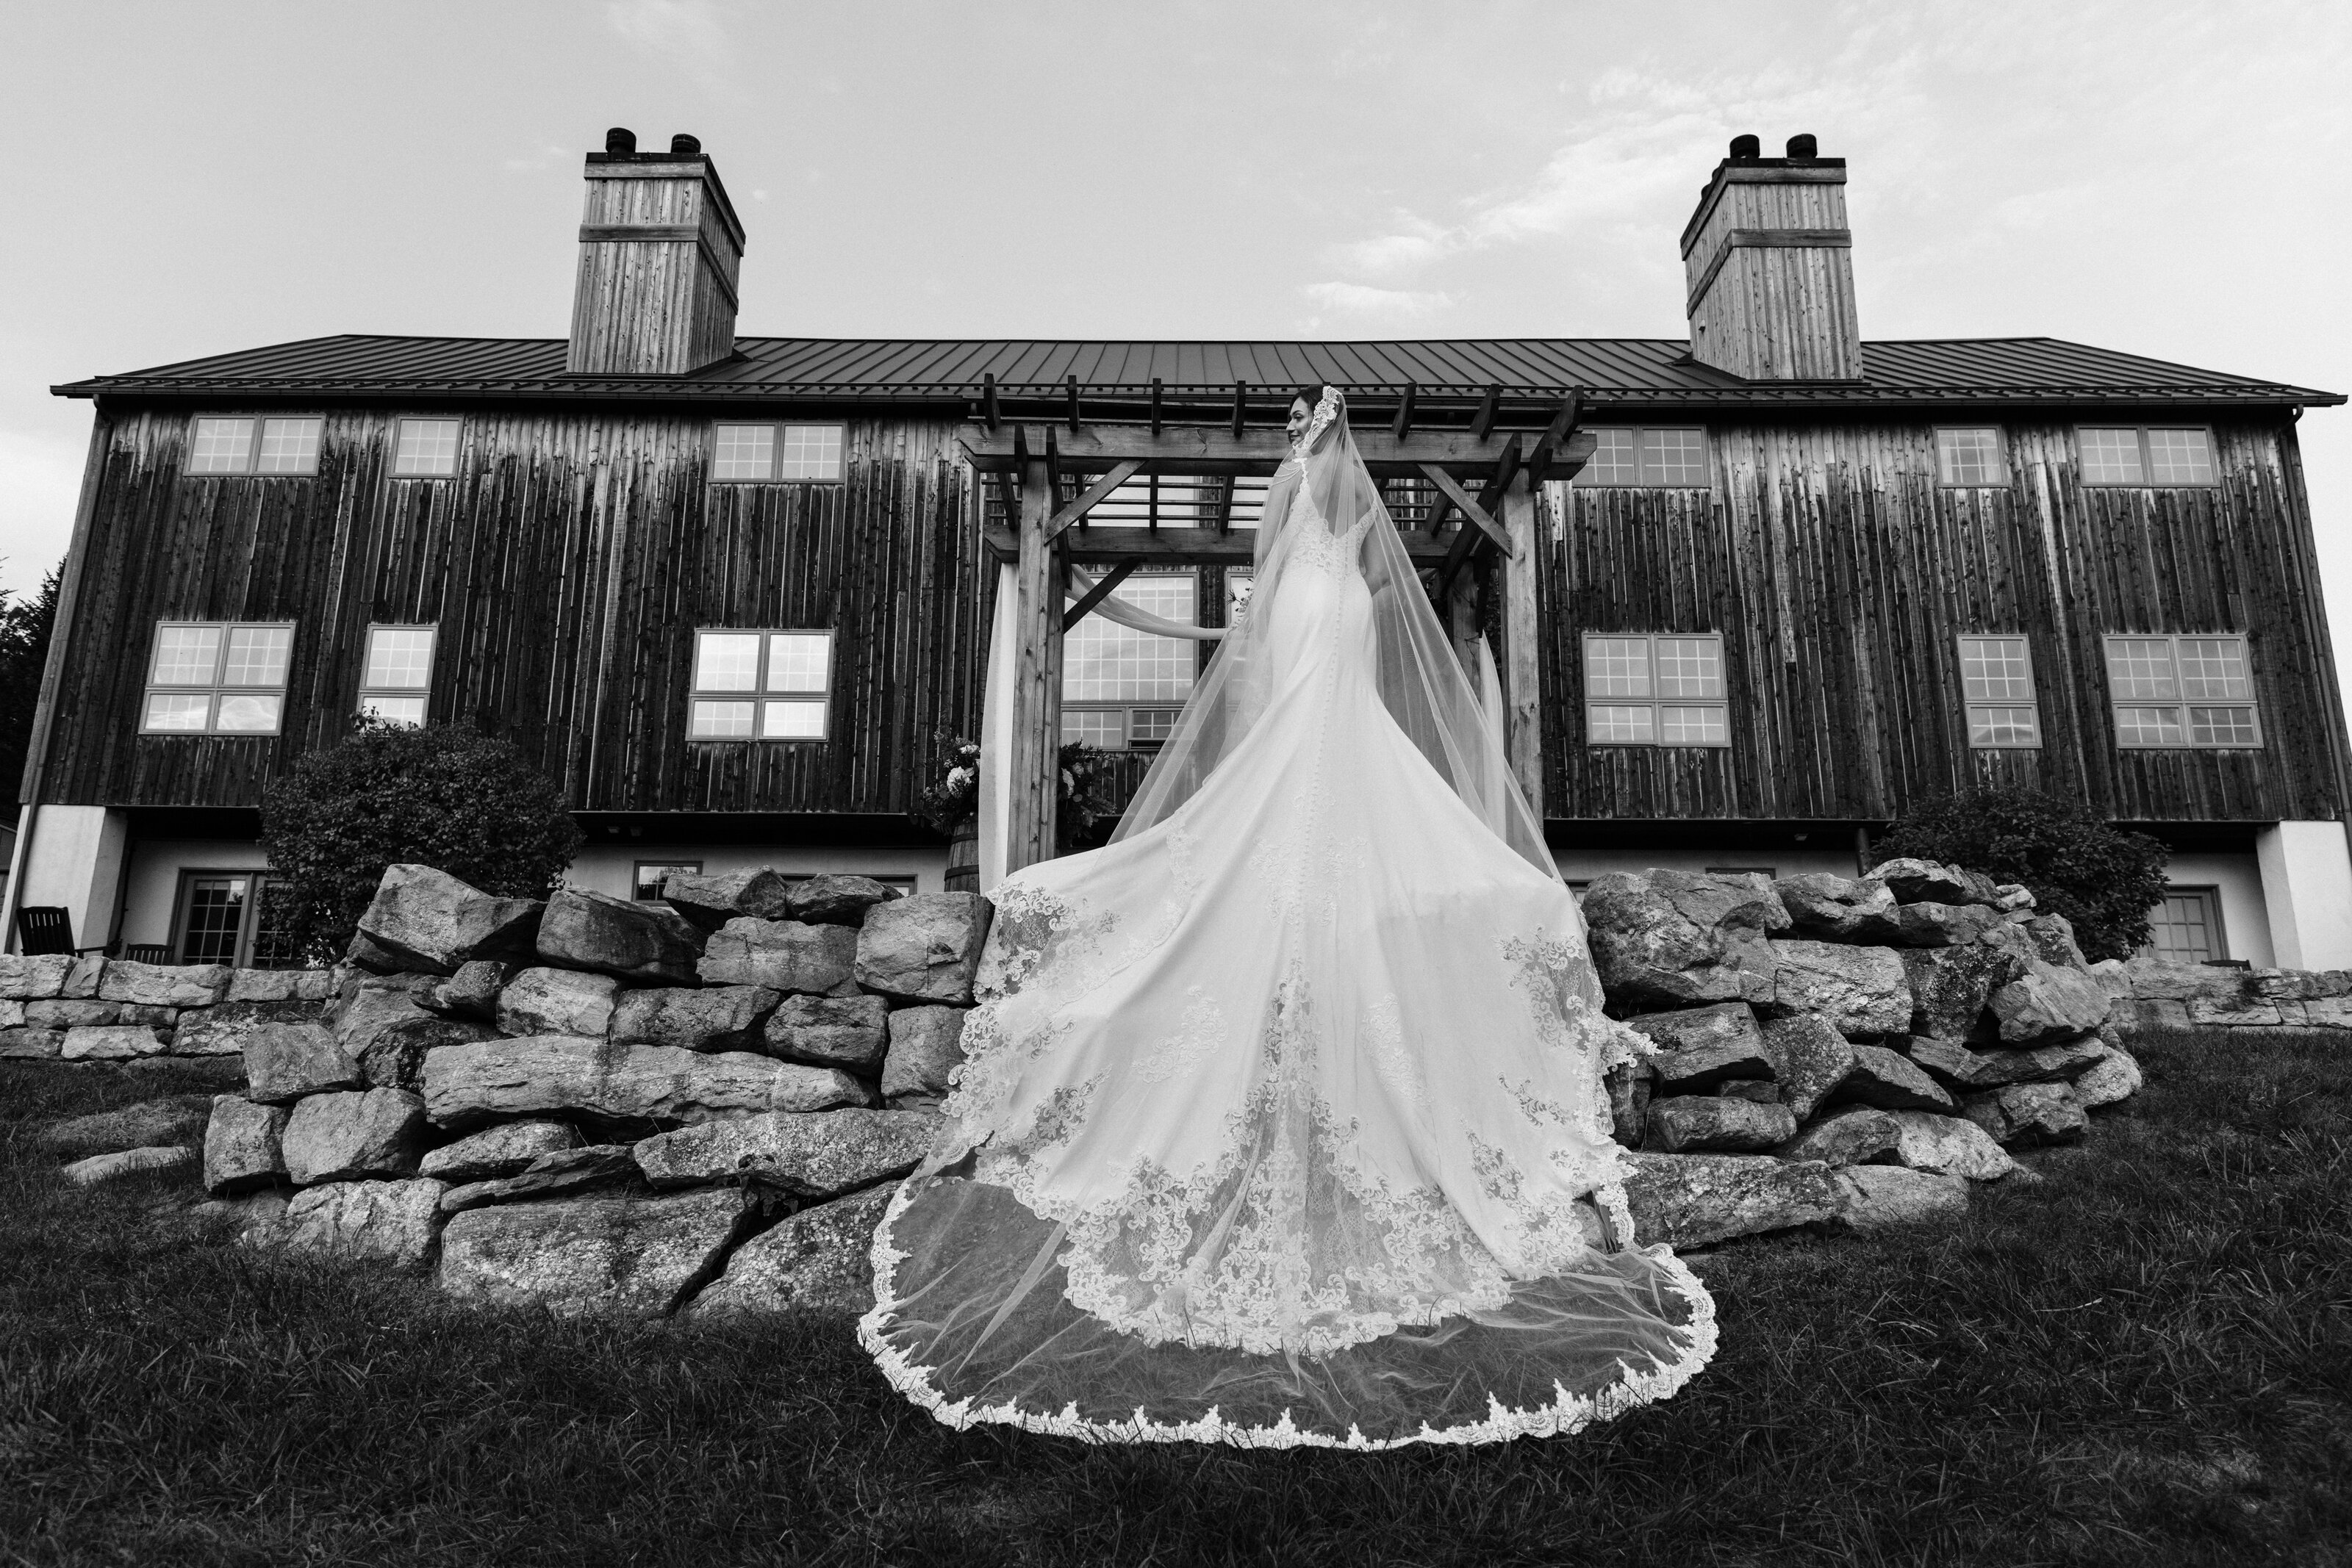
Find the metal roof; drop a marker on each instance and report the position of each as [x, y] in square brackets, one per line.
[1607, 371]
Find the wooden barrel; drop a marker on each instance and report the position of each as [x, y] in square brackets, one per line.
[963, 857]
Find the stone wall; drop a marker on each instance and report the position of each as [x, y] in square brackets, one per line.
[2153, 995]
[91, 1008]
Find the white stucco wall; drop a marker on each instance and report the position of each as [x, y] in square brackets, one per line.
[76, 860]
[2245, 921]
[154, 879]
[611, 867]
[2308, 889]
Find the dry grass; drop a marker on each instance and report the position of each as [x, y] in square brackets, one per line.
[2145, 1359]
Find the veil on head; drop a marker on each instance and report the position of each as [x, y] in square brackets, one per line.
[1422, 681]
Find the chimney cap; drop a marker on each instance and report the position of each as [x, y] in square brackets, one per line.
[684, 146]
[620, 138]
[1746, 145]
[1804, 145]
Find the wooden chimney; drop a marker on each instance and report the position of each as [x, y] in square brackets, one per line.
[1769, 265]
[660, 249]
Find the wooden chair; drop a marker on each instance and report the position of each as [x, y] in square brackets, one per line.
[47, 928]
[148, 953]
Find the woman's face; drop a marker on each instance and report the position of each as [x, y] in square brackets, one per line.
[1300, 417]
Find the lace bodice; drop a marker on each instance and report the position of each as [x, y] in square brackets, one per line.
[1314, 547]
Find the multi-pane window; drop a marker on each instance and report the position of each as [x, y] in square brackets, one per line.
[2195, 691]
[397, 673]
[651, 874]
[215, 677]
[761, 685]
[233, 917]
[1968, 456]
[426, 448]
[1123, 689]
[1996, 686]
[804, 452]
[1661, 690]
[2125, 455]
[1657, 458]
[2185, 926]
[246, 444]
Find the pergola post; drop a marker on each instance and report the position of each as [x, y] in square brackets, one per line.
[1037, 675]
[1522, 644]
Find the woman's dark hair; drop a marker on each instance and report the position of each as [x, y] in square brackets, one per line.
[1309, 395]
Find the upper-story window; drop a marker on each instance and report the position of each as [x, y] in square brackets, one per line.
[396, 674]
[761, 685]
[245, 443]
[2150, 456]
[216, 677]
[1644, 690]
[2195, 691]
[809, 453]
[426, 448]
[1122, 689]
[1996, 686]
[1969, 455]
[1657, 458]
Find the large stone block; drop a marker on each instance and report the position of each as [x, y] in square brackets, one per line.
[1925, 881]
[1687, 1200]
[2237, 1012]
[814, 1155]
[1951, 985]
[381, 1025]
[38, 979]
[1695, 1122]
[1943, 925]
[114, 1043]
[354, 1135]
[431, 919]
[1854, 1137]
[560, 1173]
[224, 1030]
[280, 986]
[389, 1222]
[633, 1255]
[123, 1163]
[926, 1048]
[12, 1014]
[1963, 1069]
[2152, 979]
[1810, 1060]
[1891, 1082]
[465, 1085]
[2053, 937]
[1860, 990]
[2027, 1115]
[925, 947]
[819, 1260]
[472, 993]
[646, 944]
[2296, 985]
[710, 902]
[2047, 1004]
[62, 1014]
[714, 1018]
[1881, 1197]
[31, 1044]
[83, 973]
[244, 1146]
[1833, 908]
[1669, 938]
[505, 1150]
[557, 1001]
[780, 956]
[2116, 1076]
[849, 1032]
[836, 900]
[148, 1124]
[163, 984]
[1700, 1048]
[1951, 1145]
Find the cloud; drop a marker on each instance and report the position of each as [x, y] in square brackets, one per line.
[688, 31]
[1364, 300]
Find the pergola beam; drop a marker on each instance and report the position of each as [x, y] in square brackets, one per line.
[1205, 451]
[1092, 498]
[1099, 591]
[1183, 547]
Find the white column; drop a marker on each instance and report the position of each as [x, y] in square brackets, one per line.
[2307, 894]
[75, 859]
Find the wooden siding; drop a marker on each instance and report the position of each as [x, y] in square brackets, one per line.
[1839, 573]
[567, 565]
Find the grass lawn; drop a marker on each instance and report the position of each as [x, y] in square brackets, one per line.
[2144, 1359]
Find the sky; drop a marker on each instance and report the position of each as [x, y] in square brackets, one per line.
[192, 178]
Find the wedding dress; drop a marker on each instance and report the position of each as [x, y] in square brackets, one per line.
[1281, 1120]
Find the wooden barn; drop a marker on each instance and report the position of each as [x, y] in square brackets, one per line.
[1753, 591]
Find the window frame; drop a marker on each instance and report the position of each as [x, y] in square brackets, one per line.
[253, 445]
[2147, 480]
[214, 690]
[244, 951]
[424, 694]
[399, 427]
[758, 694]
[2000, 456]
[1127, 708]
[1655, 703]
[2181, 703]
[1584, 481]
[776, 428]
[2210, 894]
[672, 867]
[1961, 640]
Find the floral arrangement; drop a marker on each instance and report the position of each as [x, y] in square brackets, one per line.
[952, 797]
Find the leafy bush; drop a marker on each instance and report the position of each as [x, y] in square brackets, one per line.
[2104, 880]
[442, 797]
[23, 648]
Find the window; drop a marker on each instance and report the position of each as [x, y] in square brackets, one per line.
[1968, 457]
[2193, 691]
[210, 677]
[651, 874]
[246, 444]
[1122, 690]
[809, 453]
[232, 917]
[761, 685]
[2146, 456]
[2185, 926]
[426, 448]
[399, 668]
[1996, 686]
[1644, 690]
[1652, 458]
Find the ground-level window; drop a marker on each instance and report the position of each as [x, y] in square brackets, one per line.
[1655, 690]
[651, 874]
[395, 673]
[804, 453]
[1663, 458]
[2185, 926]
[247, 444]
[216, 677]
[761, 685]
[232, 917]
[1123, 690]
[2143, 455]
[1997, 685]
[2190, 690]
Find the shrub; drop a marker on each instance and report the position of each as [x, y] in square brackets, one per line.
[442, 797]
[2103, 880]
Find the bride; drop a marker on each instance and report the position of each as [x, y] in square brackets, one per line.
[1281, 1121]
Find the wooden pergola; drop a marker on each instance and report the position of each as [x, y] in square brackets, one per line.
[1050, 475]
